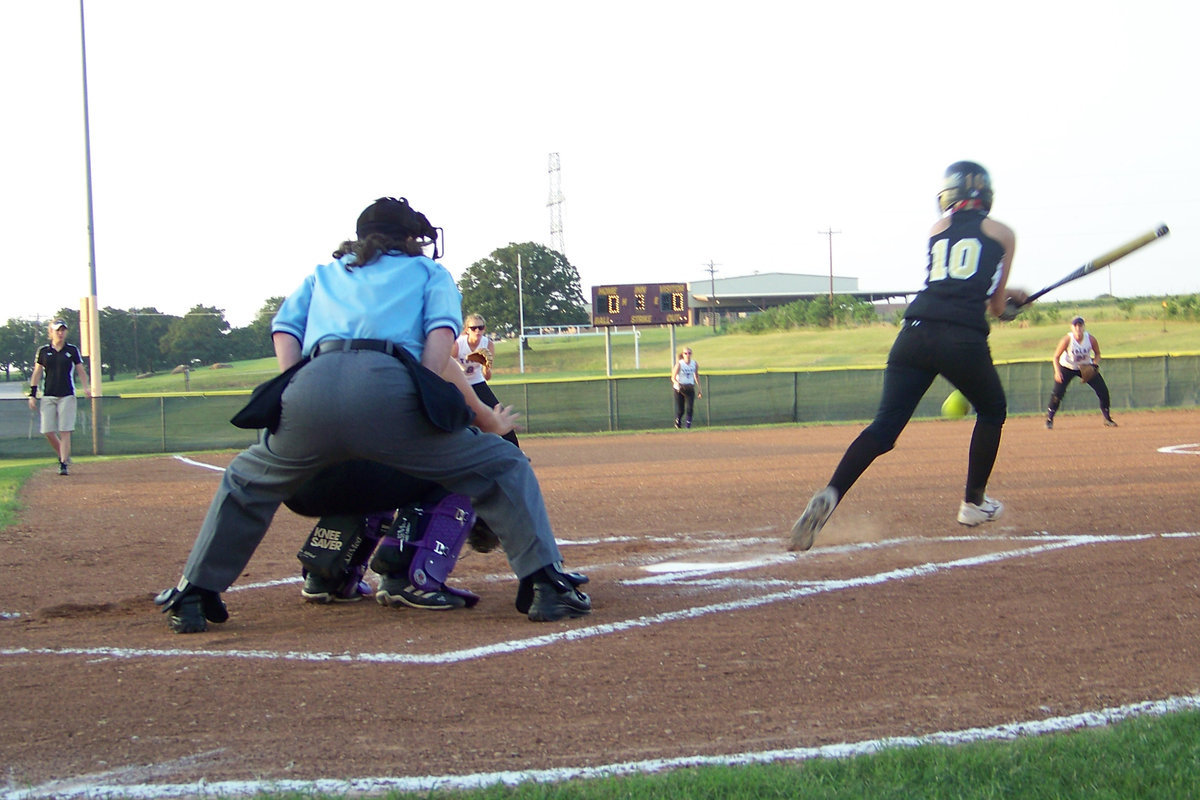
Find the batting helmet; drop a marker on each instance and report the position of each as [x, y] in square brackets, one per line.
[965, 180]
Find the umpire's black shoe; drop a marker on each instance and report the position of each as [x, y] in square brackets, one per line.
[191, 609]
[551, 594]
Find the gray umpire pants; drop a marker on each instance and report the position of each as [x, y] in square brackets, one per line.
[363, 404]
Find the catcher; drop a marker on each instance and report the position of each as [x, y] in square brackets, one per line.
[413, 546]
[475, 351]
[1078, 356]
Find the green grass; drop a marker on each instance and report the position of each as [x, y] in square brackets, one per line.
[583, 356]
[13, 474]
[1145, 757]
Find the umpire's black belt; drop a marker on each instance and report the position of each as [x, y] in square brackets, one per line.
[443, 402]
[342, 345]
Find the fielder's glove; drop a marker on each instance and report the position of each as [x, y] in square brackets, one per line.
[1086, 373]
[481, 357]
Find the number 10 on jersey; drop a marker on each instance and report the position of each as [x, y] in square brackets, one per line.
[958, 262]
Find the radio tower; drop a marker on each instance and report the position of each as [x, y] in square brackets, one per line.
[555, 204]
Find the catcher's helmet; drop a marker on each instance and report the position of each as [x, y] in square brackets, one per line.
[965, 180]
[394, 217]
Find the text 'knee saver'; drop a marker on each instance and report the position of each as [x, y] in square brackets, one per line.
[339, 545]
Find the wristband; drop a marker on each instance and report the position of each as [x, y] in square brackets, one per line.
[33, 391]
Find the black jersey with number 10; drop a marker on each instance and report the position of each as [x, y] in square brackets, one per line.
[963, 270]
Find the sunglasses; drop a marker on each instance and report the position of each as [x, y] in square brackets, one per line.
[477, 327]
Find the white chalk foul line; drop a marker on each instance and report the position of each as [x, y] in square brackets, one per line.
[377, 785]
[807, 589]
[1192, 449]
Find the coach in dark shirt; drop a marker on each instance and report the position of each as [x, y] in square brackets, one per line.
[63, 367]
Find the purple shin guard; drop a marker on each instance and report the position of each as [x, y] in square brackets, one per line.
[425, 545]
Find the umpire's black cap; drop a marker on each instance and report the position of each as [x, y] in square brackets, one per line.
[394, 217]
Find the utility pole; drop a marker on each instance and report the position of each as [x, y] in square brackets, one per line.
[830, 232]
[712, 295]
[92, 334]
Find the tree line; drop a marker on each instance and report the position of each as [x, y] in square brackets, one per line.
[146, 340]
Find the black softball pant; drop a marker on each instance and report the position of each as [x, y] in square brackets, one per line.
[485, 393]
[685, 403]
[922, 351]
[1097, 383]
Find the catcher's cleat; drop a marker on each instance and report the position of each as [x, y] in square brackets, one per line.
[971, 515]
[191, 609]
[319, 590]
[397, 592]
[815, 515]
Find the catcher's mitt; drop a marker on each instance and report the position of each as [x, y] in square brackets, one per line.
[481, 357]
[481, 538]
[1086, 373]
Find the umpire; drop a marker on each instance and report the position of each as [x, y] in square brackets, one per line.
[375, 323]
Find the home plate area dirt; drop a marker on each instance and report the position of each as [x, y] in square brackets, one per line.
[707, 637]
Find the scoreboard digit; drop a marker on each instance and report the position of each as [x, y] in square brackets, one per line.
[639, 304]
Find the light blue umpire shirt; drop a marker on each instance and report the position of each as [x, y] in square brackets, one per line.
[397, 298]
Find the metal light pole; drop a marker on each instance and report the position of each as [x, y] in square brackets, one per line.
[96, 372]
[94, 332]
[520, 315]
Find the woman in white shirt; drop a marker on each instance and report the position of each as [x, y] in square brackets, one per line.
[475, 351]
[685, 381]
[1078, 356]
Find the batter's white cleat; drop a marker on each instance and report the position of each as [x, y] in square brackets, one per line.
[971, 515]
[815, 515]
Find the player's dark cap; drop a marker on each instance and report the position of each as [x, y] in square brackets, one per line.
[394, 217]
[58, 323]
[1077, 321]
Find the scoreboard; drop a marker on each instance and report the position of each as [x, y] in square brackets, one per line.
[640, 304]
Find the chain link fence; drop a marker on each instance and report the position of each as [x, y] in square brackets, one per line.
[170, 424]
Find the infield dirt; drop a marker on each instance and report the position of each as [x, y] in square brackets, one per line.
[707, 636]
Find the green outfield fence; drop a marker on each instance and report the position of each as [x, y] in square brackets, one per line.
[174, 423]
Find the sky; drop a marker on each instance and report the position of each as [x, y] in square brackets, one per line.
[234, 142]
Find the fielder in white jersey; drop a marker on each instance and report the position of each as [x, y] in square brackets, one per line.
[685, 381]
[1078, 356]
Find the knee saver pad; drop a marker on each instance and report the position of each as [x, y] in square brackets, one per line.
[340, 544]
[426, 542]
